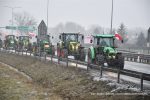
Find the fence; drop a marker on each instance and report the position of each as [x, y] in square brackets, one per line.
[135, 74]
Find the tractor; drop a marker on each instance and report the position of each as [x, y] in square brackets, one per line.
[104, 51]
[43, 45]
[10, 42]
[70, 44]
[24, 43]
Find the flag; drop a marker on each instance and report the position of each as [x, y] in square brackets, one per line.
[118, 37]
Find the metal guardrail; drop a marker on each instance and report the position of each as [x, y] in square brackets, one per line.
[141, 58]
[135, 74]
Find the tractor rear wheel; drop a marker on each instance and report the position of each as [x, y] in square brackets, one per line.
[89, 58]
[82, 55]
[100, 60]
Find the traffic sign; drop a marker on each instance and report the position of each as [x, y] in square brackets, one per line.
[11, 27]
[21, 28]
[42, 28]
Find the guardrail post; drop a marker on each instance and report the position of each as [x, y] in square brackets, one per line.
[30, 52]
[77, 63]
[58, 59]
[118, 78]
[40, 56]
[141, 82]
[101, 71]
[22, 52]
[67, 60]
[52, 58]
[45, 56]
[26, 52]
[15, 50]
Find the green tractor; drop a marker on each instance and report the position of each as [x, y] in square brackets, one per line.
[43, 45]
[24, 43]
[70, 44]
[10, 42]
[104, 51]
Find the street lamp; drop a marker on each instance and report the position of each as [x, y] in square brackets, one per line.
[12, 9]
[112, 16]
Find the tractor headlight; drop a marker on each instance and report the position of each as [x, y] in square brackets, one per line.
[114, 57]
[12, 42]
[73, 47]
[77, 47]
[109, 57]
[46, 46]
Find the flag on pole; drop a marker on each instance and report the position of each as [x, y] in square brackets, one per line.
[118, 37]
[31, 34]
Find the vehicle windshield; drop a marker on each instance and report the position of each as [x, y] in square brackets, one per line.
[11, 37]
[108, 42]
[73, 38]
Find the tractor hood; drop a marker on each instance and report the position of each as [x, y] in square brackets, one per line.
[109, 50]
[45, 41]
[73, 46]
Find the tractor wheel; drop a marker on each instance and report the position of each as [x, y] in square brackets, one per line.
[64, 53]
[120, 62]
[82, 55]
[100, 60]
[89, 58]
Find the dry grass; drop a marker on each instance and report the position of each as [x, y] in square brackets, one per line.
[69, 83]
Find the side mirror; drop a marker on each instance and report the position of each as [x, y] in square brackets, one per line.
[91, 41]
[36, 36]
[121, 41]
[48, 36]
[52, 37]
[59, 36]
[82, 37]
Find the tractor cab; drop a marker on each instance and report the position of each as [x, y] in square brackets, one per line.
[71, 40]
[10, 38]
[104, 40]
[23, 43]
[70, 44]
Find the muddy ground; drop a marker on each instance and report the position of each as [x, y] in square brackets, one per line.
[67, 83]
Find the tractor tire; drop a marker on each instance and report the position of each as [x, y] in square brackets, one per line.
[120, 62]
[90, 61]
[82, 55]
[77, 56]
[64, 53]
[100, 60]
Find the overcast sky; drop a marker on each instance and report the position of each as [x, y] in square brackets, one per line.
[133, 13]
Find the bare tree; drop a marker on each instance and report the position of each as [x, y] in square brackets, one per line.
[122, 32]
[141, 40]
[24, 19]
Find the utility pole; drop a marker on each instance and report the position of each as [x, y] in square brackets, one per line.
[12, 9]
[111, 16]
[47, 14]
